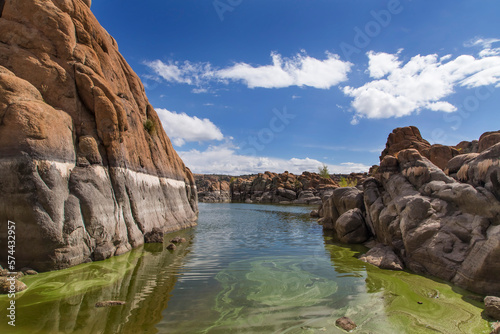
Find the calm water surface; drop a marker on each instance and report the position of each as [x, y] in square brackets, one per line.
[246, 268]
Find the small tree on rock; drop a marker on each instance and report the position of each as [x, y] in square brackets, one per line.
[323, 172]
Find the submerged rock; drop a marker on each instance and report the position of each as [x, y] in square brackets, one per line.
[11, 285]
[383, 257]
[178, 240]
[154, 236]
[30, 272]
[346, 324]
[109, 303]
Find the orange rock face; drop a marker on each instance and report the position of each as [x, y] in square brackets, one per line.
[402, 139]
[87, 168]
[409, 137]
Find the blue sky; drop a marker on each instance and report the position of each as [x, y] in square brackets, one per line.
[245, 86]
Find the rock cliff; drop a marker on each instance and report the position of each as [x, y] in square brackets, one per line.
[87, 168]
[442, 223]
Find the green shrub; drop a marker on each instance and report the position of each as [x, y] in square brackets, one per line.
[150, 126]
[347, 182]
[323, 172]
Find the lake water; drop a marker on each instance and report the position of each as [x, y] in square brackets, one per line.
[246, 268]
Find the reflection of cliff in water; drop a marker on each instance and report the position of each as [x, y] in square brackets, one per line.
[385, 301]
[64, 301]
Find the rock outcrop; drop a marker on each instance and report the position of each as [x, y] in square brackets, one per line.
[307, 188]
[281, 188]
[213, 188]
[409, 137]
[87, 168]
[444, 225]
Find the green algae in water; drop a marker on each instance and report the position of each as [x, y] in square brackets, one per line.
[286, 295]
[282, 276]
[64, 301]
[262, 295]
[411, 303]
[282, 282]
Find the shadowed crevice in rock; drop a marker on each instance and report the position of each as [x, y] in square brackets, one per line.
[2, 4]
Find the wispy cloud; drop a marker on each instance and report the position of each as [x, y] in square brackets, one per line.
[182, 128]
[182, 72]
[224, 159]
[301, 70]
[400, 89]
[486, 45]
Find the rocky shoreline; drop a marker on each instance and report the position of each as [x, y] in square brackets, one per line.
[432, 209]
[283, 188]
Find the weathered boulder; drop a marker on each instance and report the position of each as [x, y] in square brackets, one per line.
[410, 138]
[351, 227]
[383, 257]
[341, 200]
[402, 139]
[286, 193]
[11, 285]
[82, 177]
[454, 164]
[492, 307]
[487, 140]
[439, 155]
[465, 147]
[154, 236]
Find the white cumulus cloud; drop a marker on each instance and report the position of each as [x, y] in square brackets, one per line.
[301, 70]
[381, 64]
[224, 159]
[400, 89]
[182, 128]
